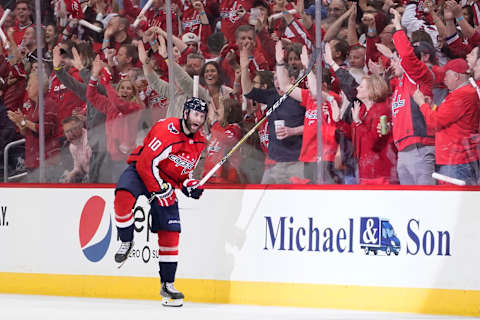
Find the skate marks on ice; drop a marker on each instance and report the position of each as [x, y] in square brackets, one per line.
[27, 307]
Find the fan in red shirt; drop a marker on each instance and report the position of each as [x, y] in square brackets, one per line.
[196, 28]
[245, 38]
[116, 34]
[289, 26]
[192, 18]
[225, 133]
[385, 39]
[121, 63]
[233, 13]
[27, 120]
[23, 14]
[309, 152]
[14, 87]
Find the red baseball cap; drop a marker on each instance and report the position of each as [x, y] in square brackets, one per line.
[456, 65]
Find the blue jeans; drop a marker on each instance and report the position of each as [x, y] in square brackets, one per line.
[467, 172]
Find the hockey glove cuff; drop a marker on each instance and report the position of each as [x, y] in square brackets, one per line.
[165, 196]
[189, 189]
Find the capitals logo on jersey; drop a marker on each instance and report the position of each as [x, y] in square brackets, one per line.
[213, 147]
[172, 129]
[181, 161]
[59, 88]
[191, 24]
[27, 105]
[311, 116]
[231, 13]
[397, 104]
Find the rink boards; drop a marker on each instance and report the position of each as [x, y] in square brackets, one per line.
[286, 247]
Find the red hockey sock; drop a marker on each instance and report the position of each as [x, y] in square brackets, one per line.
[123, 205]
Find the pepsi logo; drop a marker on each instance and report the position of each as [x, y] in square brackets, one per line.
[95, 230]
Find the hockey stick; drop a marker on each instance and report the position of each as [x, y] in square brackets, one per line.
[442, 177]
[2, 34]
[259, 123]
[142, 12]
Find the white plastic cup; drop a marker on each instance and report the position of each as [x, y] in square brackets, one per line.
[279, 124]
[195, 86]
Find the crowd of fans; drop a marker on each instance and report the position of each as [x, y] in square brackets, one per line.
[399, 87]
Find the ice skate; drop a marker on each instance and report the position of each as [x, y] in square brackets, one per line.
[171, 297]
[123, 252]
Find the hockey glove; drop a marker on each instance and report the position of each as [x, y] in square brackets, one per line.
[189, 189]
[165, 196]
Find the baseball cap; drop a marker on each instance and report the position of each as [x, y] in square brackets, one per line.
[310, 10]
[456, 65]
[425, 47]
[190, 37]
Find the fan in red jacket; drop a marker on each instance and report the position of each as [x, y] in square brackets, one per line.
[414, 141]
[166, 161]
[122, 110]
[456, 122]
[375, 153]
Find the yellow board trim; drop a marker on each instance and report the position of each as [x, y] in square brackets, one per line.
[387, 299]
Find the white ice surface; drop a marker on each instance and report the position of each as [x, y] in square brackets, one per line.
[26, 307]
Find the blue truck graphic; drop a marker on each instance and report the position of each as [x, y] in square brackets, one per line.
[378, 234]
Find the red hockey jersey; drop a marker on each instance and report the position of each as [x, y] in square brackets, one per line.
[309, 151]
[230, 18]
[14, 93]
[168, 154]
[67, 101]
[154, 17]
[409, 125]
[221, 141]
[32, 152]
[455, 123]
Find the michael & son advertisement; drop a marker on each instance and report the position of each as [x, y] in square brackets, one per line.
[414, 239]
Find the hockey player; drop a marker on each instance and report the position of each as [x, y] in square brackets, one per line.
[166, 160]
